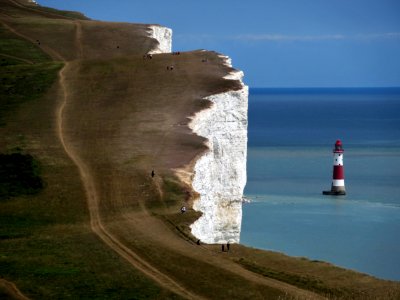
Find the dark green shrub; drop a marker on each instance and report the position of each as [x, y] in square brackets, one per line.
[19, 175]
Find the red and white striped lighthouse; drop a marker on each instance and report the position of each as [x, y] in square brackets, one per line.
[338, 171]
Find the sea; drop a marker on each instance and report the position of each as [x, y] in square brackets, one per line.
[290, 161]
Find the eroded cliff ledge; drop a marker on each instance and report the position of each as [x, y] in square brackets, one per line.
[220, 173]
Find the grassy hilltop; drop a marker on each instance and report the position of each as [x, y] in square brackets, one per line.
[84, 119]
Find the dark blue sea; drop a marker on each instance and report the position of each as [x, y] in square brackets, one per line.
[291, 136]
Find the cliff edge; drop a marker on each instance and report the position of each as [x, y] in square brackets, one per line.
[219, 175]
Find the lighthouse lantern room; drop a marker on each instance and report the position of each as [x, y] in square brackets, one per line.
[338, 172]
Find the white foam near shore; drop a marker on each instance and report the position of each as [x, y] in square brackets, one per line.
[220, 174]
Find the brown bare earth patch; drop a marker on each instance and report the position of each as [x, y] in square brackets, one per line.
[103, 227]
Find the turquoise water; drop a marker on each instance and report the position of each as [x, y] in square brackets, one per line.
[291, 135]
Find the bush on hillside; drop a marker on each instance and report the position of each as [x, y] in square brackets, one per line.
[19, 175]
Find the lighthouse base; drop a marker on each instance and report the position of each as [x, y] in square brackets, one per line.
[334, 193]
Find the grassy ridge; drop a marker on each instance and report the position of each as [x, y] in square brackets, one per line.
[26, 8]
[62, 13]
[10, 44]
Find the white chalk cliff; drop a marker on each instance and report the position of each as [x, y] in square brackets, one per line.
[220, 174]
[164, 37]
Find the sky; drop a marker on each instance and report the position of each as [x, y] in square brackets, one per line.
[277, 43]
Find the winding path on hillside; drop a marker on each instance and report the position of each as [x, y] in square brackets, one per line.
[88, 182]
[93, 205]
[93, 200]
[92, 197]
[111, 240]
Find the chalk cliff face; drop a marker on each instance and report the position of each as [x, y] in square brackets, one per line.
[164, 37]
[220, 174]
